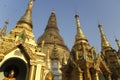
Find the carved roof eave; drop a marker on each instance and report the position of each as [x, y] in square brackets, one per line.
[102, 64]
[106, 67]
[52, 43]
[73, 65]
[21, 45]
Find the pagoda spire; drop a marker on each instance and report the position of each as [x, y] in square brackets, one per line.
[81, 45]
[5, 28]
[27, 17]
[118, 43]
[104, 41]
[52, 31]
[52, 22]
[23, 29]
[80, 35]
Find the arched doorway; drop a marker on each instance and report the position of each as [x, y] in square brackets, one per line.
[18, 65]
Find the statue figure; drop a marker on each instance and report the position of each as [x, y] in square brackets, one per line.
[10, 76]
[49, 76]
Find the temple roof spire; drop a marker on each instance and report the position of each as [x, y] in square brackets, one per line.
[52, 22]
[5, 27]
[53, 11]
[80, 35]
[118, 43]
[81, 44]
[51, 32]
[23, 29]
[3, 30]
[104, 42]
[27, 17]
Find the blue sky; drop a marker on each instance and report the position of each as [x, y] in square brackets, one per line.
[90, 11]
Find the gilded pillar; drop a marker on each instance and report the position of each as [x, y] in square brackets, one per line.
[76, 55]
[38, 71]
[88, 75]
[81, 76]
[108, 77]
[96, 76]
[32, 70]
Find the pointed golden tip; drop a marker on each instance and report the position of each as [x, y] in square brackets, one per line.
[30, 5]
[116, 39]
[27, 17]
[76, 15]
[32, 0]
[53, 11]
[99, 24]
[118, 43]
